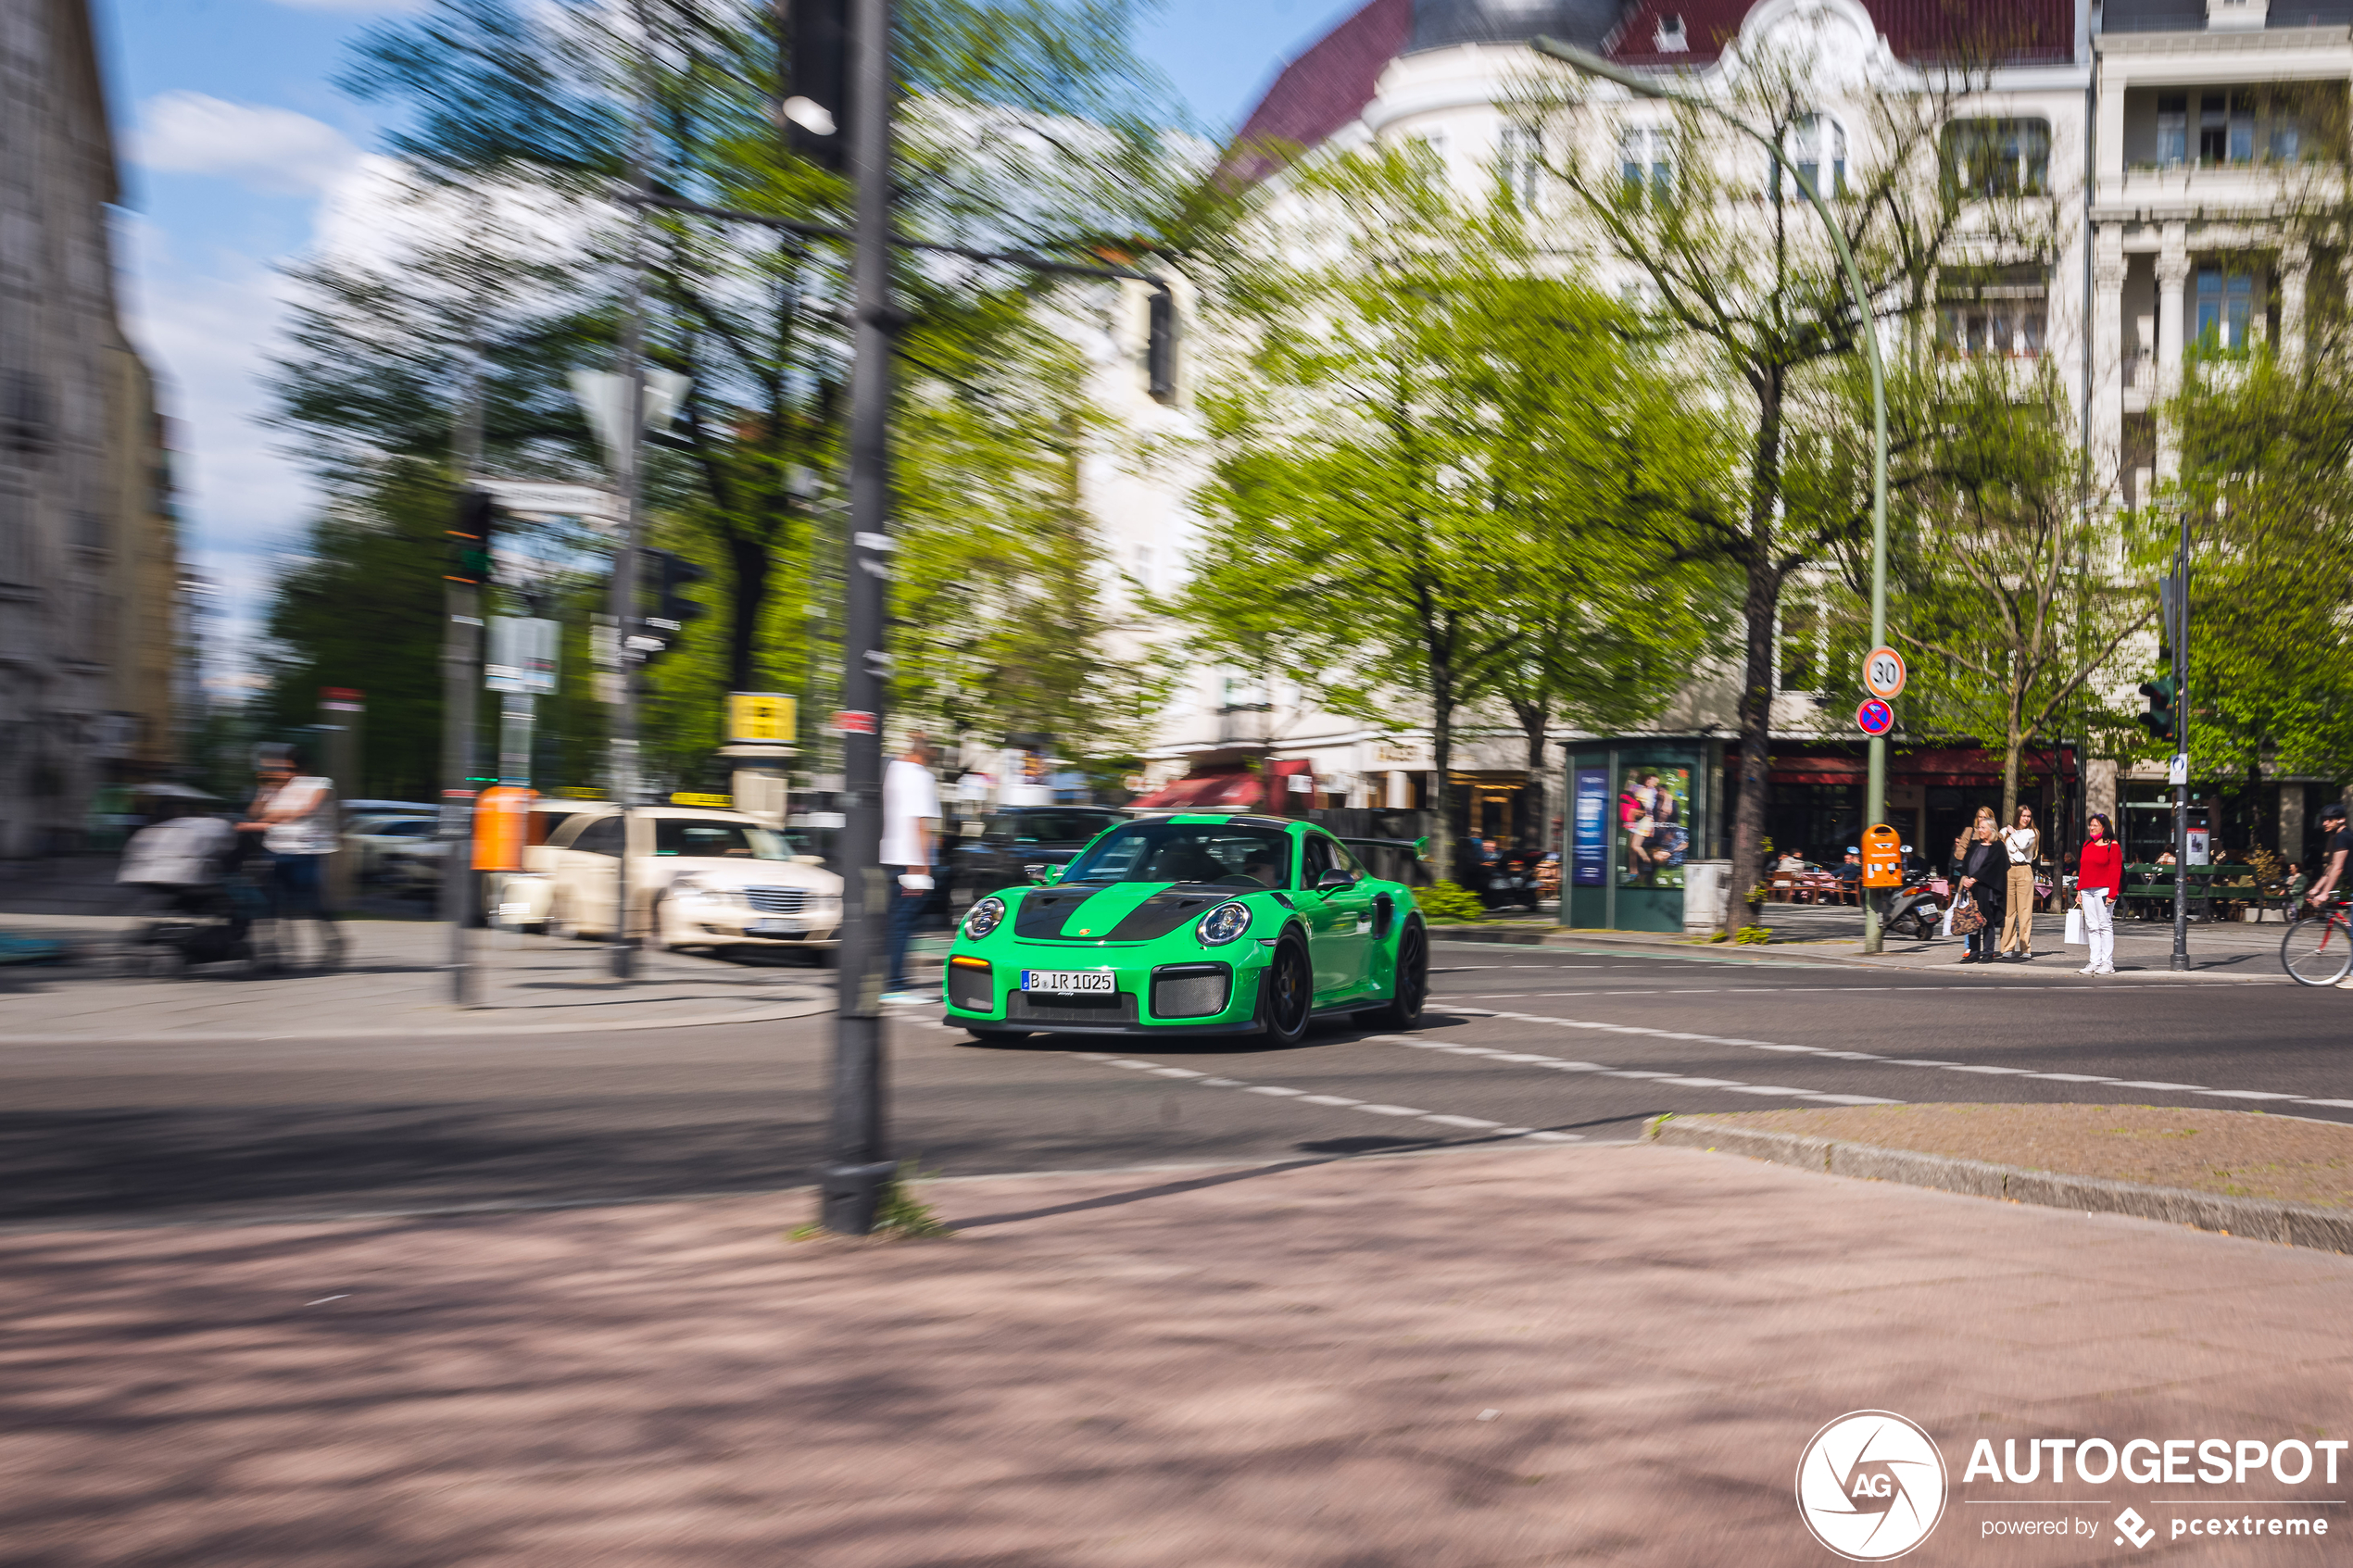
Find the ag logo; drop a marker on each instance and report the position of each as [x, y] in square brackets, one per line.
[1870, 1485]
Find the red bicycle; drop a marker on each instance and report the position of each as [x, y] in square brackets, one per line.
[2317, 948]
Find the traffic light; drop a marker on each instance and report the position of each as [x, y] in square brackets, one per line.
[816, 106]
[2161, 719]
[670, 575]
[470, 537]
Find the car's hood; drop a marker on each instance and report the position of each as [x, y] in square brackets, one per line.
[718, 872]
[1118, 912]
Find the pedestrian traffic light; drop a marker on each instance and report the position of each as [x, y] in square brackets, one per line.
[471, 537]
[2161, 720]
[816, 104]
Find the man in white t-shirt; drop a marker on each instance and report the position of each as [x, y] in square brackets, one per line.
[910, 830]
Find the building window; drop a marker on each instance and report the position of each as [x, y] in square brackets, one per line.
[1800, 651]
[1818, 146]
[2225, 311]
[1998, 158]
[2172, 128]
[1996, 311]
[1520, 159]
[1671, 37]
[1646, 161]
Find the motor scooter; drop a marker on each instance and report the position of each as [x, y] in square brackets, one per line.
[1917, 909]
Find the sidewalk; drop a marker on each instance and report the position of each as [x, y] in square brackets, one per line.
[1830, 934]
[1611, 1355]
[392, 986]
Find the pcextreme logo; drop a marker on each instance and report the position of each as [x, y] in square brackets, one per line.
[1870, 1485]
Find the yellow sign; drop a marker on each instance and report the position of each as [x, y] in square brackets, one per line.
[707, 802]
[761, 719]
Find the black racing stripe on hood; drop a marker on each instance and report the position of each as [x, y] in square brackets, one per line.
[1041, 916]
[1163, 912]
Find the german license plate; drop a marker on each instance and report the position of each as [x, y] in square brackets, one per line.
[775, 928]
[1069, 981]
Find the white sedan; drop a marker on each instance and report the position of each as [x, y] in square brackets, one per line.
[374, 842]
[696, 879]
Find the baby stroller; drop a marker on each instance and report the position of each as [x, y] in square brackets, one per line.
[203, 907]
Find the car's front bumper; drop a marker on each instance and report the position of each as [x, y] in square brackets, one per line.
[726, 921]
[1156, 992]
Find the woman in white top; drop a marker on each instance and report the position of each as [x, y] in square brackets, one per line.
[2023, 842]
[295, 815]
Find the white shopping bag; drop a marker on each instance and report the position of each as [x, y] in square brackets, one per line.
[2075, 937]
[1955, 903]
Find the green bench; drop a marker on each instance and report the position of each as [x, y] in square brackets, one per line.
[2233, 883]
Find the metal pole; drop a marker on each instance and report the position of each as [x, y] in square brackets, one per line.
[1875, 790]
[460, 673]
[627, 478]
[857, 1163]
[2181, 630]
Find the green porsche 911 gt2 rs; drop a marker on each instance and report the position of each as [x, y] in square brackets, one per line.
[1192, 925]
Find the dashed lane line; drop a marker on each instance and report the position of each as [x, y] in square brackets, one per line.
[1930, 1063]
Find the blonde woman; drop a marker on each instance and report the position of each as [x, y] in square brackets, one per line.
[2022, 843]
[1980, 875]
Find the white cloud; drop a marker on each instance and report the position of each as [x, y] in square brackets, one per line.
[267, 149]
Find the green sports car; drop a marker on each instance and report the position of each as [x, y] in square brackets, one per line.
[1192, 925]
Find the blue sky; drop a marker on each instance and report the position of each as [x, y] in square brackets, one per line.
[236, 147]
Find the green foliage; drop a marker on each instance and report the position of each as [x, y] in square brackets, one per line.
[1433, 464]
[1448, 903]
[2264, 474]
[1753, 936]
[363, 608]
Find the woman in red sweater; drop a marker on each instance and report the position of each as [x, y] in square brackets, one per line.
[2099, 882]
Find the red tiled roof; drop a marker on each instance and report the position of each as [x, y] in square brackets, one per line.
[1322, 89]
[1996, 31]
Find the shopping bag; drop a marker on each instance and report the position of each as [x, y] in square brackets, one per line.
[1968, 919]
[2075, 937]
[1947, 928]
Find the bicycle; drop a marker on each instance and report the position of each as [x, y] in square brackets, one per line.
[2317, 948]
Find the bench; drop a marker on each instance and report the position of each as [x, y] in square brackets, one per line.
[2233, 883]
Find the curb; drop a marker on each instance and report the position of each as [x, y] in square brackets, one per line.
[248, 1036]
[2290, 1225]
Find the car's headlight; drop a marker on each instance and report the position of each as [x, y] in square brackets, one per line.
[984, 916]
[1222, 924]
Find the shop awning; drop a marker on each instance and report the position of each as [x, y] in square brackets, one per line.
[1205, 792]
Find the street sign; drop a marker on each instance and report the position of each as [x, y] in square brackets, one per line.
[1883, 857]
[707, 802]
[591, 504]
[341, 700]
[523, 655]
[1883, 674]
[1875, 718]
[761, 719]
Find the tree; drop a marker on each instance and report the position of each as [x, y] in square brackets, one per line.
[2002, 587]
[1026, 123]
[1419, 448]
[1731, 255]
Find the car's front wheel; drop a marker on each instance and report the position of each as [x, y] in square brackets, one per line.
[1409, 990]
[1286, 994]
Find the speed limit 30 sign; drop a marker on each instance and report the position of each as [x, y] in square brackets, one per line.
[1883, 674]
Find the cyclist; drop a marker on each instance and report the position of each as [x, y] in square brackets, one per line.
[2336, 843]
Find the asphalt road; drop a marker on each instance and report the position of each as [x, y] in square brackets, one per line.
[1520, 1044]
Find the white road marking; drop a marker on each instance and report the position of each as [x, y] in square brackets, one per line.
[1178, 1073]
[1473, 1123]
[1271, 1089]
[1327, 1099]
[1931, 1062]
[1392, 1111]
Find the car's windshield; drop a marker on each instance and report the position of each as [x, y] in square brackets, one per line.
[1050, 827]
[1230, 856]
[736, 841]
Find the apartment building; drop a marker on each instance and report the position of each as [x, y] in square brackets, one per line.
[88, 559]
[2170, 139]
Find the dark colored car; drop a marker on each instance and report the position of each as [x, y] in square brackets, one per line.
[1008, 843]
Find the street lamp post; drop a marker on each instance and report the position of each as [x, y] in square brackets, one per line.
[1875, 800]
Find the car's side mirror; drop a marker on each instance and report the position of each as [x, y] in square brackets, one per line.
[1334, 881]
[1039, 872]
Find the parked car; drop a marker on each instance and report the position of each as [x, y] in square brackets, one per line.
[520, 900]
[696, 879]
[373, 841]
[1016, 847]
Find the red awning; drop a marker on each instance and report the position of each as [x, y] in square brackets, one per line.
[1205, 792]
